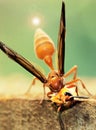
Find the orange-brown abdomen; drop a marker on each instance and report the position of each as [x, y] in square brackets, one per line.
[44, 47]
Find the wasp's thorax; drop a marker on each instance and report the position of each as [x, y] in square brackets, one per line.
[55, 81]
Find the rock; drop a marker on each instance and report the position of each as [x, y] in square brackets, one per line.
[27, 114]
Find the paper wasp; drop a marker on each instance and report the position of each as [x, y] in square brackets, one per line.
[56, 81]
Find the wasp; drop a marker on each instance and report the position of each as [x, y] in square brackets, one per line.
[56, 80]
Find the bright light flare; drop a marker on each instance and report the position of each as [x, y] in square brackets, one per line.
[36, 21]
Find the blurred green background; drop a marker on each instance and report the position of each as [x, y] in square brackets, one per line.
[17, 31]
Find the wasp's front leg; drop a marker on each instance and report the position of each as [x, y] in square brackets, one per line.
[73, 86]
[78, 80]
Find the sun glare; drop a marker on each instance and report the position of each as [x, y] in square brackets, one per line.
[36, 21]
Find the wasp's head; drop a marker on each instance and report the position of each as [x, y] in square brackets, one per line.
[63, 98]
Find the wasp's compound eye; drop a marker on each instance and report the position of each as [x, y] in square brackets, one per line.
[67, 94]
[70, 97]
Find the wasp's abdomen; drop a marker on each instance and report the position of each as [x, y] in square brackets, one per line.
[44, 47]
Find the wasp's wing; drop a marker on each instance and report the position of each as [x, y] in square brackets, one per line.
[61, 41]
[23, 62]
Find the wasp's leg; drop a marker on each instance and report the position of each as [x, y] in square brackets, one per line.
[73, 86]
[49, 94]
[44, 95]
[79, 80]
[29, 89]
[72, 70]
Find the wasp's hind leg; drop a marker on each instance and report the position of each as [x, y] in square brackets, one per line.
[27, 93]
[73, 71]
[82, 84]
[75, 78]
[30, 87]
[44, 95]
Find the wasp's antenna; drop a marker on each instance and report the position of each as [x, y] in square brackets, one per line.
[83, 98]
